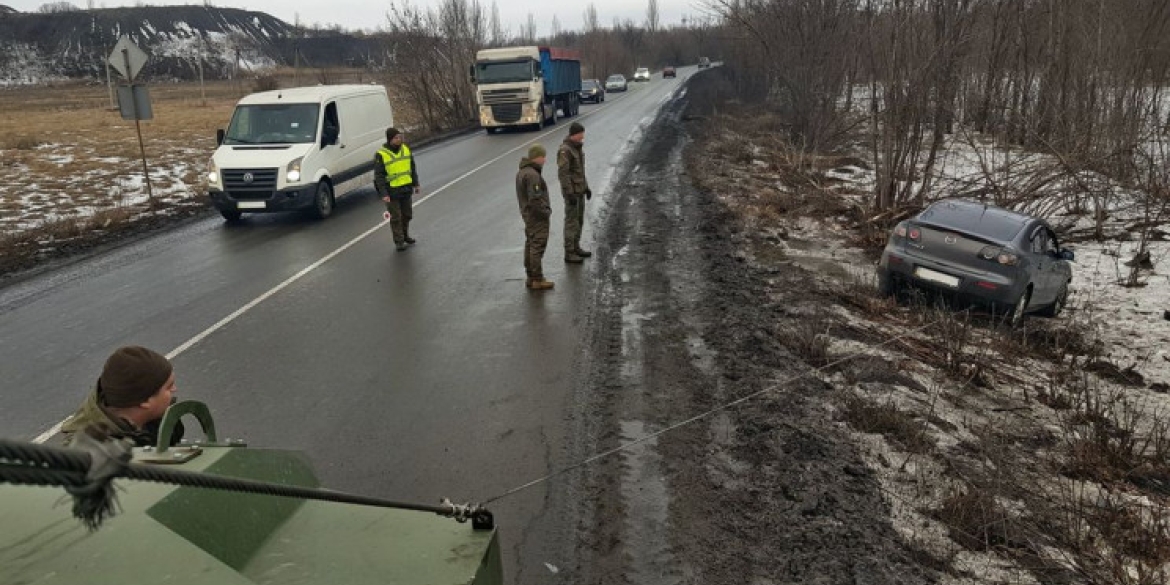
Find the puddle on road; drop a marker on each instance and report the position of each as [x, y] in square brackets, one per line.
[647, 502]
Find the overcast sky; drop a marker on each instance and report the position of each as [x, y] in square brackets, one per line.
[368, 15]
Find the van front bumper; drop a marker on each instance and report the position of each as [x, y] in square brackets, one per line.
[287, 199]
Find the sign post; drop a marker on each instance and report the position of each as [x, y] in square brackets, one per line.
[133, 99]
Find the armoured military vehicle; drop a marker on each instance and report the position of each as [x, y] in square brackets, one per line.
[192, 535]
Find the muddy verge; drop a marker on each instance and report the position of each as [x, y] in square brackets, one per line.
[769, 491]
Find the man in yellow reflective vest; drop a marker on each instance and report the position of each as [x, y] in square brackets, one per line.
[396, 178]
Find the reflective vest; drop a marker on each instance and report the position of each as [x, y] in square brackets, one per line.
[397, 166]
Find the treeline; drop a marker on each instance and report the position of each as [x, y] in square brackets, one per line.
[1084, 80]
[431, 49]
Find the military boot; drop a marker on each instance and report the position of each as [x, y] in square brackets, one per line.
[573, 258]
[539, 284]
[584, 253]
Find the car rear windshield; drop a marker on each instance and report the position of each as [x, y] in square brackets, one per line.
[615, 78]
[981, 220]
[589, 84]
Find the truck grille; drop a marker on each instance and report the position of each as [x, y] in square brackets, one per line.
[249, 183]
[506, 112]
[492, 97]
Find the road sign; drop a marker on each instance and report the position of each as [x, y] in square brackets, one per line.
[134, 102]
[127, 58]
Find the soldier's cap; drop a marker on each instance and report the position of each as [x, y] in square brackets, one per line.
[576, 128]
[391, 132]
[132, 375]
[536, 151]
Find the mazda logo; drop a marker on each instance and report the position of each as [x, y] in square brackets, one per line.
[948, 239]
[248, 178]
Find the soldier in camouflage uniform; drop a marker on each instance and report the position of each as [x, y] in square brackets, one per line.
[575, 190]
[532, 194]
[128, 402]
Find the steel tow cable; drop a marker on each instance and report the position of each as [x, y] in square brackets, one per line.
[705, 414]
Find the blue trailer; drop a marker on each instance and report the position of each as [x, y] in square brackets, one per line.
[526, 86]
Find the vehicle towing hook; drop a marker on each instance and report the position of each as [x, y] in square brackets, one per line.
[481, 518]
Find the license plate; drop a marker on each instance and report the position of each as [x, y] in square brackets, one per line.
[936, 276]
[250, 205]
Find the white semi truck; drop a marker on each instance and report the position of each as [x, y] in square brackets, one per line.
[526, 86]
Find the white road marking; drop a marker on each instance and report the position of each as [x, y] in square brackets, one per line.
[45, 436]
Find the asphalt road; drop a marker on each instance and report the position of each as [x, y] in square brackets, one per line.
[415, 375]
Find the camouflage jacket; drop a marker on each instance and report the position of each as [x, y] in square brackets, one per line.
[571, 168]
[92, 413]
[532, 192]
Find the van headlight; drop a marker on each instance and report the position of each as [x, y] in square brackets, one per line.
[212, 173]
[292, 173]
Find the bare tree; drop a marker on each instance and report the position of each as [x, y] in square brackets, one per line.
[529, 33]
[652, 16]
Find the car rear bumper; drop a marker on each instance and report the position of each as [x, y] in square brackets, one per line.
[982, 287]
[281, 200]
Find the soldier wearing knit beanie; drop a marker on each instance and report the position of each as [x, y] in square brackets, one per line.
[131, 395]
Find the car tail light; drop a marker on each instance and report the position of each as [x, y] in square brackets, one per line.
[998, 254]
[915, 234]
[986, 285]
[900, 230]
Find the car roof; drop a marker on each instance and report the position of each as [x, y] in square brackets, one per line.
[975, 218]
[616, 76]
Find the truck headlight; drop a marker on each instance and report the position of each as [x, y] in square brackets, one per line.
[292, 173]
[212, 173]
[485, 115]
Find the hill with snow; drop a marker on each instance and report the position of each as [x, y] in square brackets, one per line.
[35, 47]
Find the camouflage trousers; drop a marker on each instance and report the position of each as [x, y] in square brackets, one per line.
[535, 241]
[401, 212]
[574, 220]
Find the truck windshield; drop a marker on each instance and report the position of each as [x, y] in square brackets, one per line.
[503, 71]
[273, 124]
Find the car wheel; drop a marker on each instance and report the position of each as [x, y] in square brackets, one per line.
[323, 200]
[887, 284]
[231, 215]
[1020, 309]
[1057, 305]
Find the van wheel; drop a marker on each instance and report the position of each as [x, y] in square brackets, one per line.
[323, 200]
[231, 215]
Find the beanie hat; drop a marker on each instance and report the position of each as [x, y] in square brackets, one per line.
[576, 128]
[132, 375]
[536, 151]
[391, 132]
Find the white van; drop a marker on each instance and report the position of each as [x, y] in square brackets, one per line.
[298, 148]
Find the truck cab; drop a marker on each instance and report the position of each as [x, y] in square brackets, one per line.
[525, 86]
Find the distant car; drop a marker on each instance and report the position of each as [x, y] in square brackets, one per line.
[591, 91]
[704, 62]
[668, 71]
[642, 74]
[1009, 261]
[616, 82]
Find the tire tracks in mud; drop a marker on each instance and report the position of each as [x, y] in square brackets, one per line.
[771, 492]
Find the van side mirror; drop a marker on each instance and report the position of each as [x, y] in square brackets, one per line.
[219, 134]
[329, 135]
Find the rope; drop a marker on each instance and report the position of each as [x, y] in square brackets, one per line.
[701, 416]
[42, 465]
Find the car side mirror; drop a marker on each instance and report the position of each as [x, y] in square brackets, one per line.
[1067, 254]
[219, 134]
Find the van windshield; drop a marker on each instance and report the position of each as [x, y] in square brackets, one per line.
[273, 124]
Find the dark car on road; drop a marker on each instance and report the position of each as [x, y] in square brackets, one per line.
[704, 62]
[591, 91]
[668, 71]
[1008, 261]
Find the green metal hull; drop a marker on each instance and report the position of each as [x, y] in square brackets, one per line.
[194, 536]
